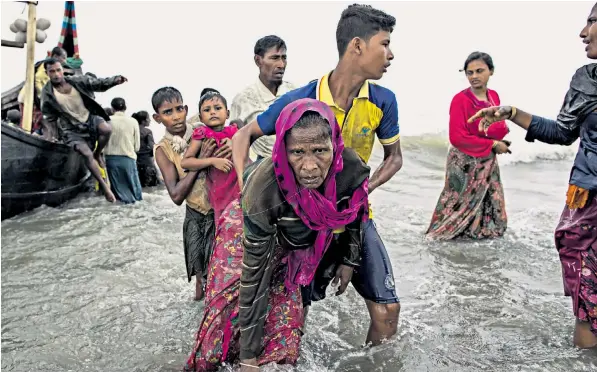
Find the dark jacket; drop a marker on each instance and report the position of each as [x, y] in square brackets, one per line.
[86, 85]
[147, 143]
[577, 119]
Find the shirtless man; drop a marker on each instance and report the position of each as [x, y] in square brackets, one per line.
[67, 103]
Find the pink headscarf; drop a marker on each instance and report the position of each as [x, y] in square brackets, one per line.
[317, 211]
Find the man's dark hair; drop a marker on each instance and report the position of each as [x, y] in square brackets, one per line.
[164, 94]
[13, 116]
[49, 62]
[362, 21]
[58, 51]
[118, 104]
[207, 90]
[209, 96]
[479, 55]
[266, 43]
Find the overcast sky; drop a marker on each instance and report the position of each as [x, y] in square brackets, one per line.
[191, 45]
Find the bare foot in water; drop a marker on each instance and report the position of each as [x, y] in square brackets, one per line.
[109, 196]
[199, 293]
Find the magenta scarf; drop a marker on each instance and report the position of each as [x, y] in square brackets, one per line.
[222, 187]
[317, 211]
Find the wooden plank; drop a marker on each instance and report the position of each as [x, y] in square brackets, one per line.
[12, 44]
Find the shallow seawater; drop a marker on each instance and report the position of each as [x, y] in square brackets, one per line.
[98, 287]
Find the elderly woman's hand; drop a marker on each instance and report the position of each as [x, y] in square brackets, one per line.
[491, 115]
[343, 275]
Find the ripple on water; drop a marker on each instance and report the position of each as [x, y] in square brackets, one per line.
[97, 287]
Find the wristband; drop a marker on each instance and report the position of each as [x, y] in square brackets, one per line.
[512, 113]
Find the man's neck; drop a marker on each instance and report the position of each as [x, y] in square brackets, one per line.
[272, 86]
[61, 86]
[345, 84]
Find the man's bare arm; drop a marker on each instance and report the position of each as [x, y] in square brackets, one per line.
[241, 142]
[177, 188]
[392, 162]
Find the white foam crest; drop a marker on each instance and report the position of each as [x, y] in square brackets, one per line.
[522, 151]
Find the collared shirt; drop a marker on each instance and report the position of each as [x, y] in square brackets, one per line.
[373, 112]
[125, 139]
[251, 102]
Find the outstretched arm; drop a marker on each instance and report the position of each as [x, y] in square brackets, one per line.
[537, 127]
[264, 124]
[241, 142]
[101, 84]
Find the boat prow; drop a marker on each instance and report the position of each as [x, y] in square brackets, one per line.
[37, 172]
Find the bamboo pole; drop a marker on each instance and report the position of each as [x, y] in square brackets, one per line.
[29, 81]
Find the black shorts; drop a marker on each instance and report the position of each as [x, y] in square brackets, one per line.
[373, 279]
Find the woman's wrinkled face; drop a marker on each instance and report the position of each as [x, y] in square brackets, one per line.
[589, 35]
[310, 154]
[478, 73]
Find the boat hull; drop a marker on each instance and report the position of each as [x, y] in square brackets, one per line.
[37, 172]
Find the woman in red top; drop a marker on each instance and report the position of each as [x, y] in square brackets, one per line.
[472, 202]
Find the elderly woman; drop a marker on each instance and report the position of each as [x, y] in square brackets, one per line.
[299, 224]
[576, 233]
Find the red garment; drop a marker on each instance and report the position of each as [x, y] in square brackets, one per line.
[222, 187]
[36, 122]
[467, 137]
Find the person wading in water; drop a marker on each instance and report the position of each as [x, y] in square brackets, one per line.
[198, 228]
[67, 103]
[364, 111]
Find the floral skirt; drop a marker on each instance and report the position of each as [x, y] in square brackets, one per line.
[217, 339]
[576, 241]
[472, 202]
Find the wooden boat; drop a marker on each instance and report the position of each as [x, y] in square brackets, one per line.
[35, 171]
